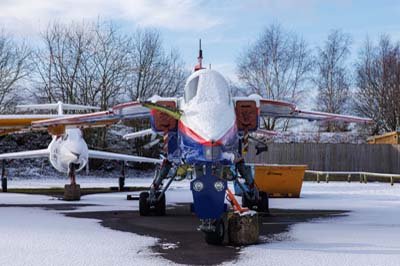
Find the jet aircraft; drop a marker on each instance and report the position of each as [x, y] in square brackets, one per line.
[205, 133]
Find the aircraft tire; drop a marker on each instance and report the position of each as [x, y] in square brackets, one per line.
[144, 205]
[263, 203]
[160, 205]
[246, 203]
[216, 237]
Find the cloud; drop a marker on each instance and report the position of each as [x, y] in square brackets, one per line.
[24, 16]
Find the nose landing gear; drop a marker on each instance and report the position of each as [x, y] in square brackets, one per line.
[214, 232]
[72, 192]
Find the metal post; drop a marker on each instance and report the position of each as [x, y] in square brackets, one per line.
[349, 178]
[365, 178]
[361, 178]
[327, 178]
[391, 181]
[317, 177]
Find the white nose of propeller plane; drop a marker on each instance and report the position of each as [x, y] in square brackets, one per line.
[70, 149]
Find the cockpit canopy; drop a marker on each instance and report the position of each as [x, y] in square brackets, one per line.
[207, 85]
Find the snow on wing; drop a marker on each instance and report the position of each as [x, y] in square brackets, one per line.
[280, 109]
[123, 111]
[131, 110]
[25, 154]
[122, 157]
[89, 120]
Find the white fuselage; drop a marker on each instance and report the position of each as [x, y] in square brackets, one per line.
[208, 109]
[68, 149]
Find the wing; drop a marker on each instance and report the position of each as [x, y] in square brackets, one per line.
[86, 120]
[281, 109]
[21, 123]
[98, 119]
[25, 154]
[130, 110]
[121, 157]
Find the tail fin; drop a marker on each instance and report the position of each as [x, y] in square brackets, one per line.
[59, 106]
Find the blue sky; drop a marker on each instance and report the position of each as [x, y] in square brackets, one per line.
[226, 26]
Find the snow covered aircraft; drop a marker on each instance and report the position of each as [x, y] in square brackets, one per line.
[205, 134]
[68, 151]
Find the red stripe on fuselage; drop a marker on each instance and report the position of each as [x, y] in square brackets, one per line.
[196, 137]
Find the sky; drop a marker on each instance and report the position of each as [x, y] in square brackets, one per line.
[226, 27]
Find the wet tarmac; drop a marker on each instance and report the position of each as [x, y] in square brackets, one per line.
[182, 243]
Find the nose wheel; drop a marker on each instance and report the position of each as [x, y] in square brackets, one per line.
[216, 233]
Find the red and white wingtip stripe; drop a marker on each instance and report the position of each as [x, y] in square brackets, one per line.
[336, 117]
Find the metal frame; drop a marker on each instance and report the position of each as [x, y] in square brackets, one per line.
[363, 175]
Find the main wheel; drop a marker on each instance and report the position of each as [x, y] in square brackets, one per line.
[144, 205]
[160, 205]
[216, 237]
[246, 203]
[263, 203]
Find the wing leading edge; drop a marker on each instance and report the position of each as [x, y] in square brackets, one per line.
[25, 154]
[281, 109]
[122, 157]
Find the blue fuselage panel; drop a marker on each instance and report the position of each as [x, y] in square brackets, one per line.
[208, 195]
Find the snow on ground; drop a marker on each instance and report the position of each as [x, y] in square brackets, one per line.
[369, 235]
[83, 181]
[37, 237]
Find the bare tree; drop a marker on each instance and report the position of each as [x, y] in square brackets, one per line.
[332, 79]
[84, 63]
[111, 64]
[378, 84]
[58, 64]
[155, 72]
[14, 67]
[276, 66]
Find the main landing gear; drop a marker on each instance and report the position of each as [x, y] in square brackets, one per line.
[153, 202]
[252, 198]
[3, 177]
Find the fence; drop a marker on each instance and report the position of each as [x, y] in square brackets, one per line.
[378, 158]
[363, 176]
